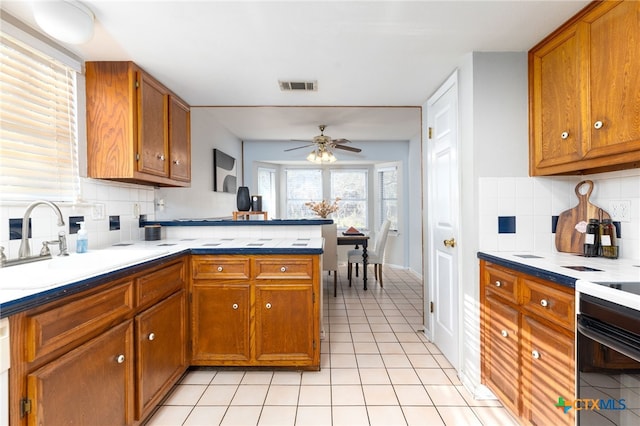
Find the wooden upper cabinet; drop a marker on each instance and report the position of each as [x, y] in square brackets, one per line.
[179, 140]
[615, 79]
[133, 126]
[584, 106]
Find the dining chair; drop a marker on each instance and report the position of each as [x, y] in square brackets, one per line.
[375, 255]
[330, 253]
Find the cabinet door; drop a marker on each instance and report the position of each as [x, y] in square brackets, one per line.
[153, 139]
[285, 327]
[615, 79]
[500, 351]
[179, 140]
[557, 100]
[220, 322]
[548, 373]
[161, 351]
[91, 385]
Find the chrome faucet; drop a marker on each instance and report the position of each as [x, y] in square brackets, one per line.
[25, 250]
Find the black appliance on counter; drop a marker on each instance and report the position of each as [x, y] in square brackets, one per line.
[608, 361]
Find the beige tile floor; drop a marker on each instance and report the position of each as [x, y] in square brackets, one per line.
[377, 369]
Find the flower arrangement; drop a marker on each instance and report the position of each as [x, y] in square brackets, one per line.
[323, 208]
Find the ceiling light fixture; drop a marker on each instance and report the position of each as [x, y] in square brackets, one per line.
[68, 21]
[321, 155]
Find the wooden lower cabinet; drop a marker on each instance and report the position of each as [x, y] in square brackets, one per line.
[284, 329]
[528, 344]
[221, 314]
[161, 352]
[256, 310]
[105, 356]
[91, 385]
[500, 352]
[548, 372]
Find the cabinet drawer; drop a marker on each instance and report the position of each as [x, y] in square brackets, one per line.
[77, 321]
[290, 267]
[220, 267]
[159, 284]
[549, 302]
[501, 283]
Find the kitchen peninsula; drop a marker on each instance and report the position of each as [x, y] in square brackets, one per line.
[142, 312]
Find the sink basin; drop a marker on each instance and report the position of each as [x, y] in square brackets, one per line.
[75, 267]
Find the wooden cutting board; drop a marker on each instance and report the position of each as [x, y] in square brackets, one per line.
[568, 238]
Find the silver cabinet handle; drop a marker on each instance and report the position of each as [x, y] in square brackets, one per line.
[234, 306]
[152, 336]
[535, 354]
[504, 333]
[498, 284]
[564, 135]
[598, 124]
[544, 303]
[268, 306]
[120, 359]
[283, 269]
[220, 268]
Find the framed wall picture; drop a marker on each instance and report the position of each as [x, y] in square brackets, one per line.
[224, 172]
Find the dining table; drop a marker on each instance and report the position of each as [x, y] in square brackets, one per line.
[357, 240]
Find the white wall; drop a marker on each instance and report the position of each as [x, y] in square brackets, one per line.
[200, 200]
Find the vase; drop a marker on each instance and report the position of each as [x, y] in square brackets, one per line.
[243, 200]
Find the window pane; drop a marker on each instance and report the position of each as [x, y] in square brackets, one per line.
[388, 180]
[351, 187]
[267, 189]
[38, 128]
[303, 185]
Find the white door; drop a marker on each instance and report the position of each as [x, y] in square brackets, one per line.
[442, 209]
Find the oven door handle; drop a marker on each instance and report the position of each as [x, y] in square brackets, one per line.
[609, 336]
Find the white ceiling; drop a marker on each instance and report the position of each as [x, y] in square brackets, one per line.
[381, 59]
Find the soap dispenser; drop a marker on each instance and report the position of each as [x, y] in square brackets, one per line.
[82, 243]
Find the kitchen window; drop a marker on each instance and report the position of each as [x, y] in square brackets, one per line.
[303, 185]
[267, 189]
[388, 195]
[38, 121]
[351, 187]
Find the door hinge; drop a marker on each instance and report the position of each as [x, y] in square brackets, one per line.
[137, 157]
[430, 132]
[137, 84]
[25, 407]
[431, 307]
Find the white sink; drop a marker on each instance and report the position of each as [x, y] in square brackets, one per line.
[68, 269]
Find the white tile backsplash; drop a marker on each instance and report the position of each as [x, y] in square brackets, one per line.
[534, 200]
[118, 199]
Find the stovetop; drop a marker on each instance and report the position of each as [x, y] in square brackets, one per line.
[629, 287]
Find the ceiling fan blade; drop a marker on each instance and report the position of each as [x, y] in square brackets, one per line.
[299, 147]
[347, 148]
[340, 141]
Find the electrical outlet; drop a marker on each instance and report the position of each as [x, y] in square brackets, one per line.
[620, 210]
[97, 212]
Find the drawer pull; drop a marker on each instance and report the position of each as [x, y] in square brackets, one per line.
[504, 333]
[598, 125]
[283, 269]
[564, 135]
[544, 303]
[152, 336]
[160, 157]
[234, 306]
[268, 306]
[176, 162]
[498, 284]
[120, 359]
[220, 268]
[535, 354]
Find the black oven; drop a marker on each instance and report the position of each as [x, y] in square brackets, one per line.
[608, 355]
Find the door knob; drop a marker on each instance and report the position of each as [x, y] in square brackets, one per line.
[450, 243]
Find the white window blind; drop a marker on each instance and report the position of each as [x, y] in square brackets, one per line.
[38, 125]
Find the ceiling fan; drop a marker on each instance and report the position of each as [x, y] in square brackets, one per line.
[324, 143]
